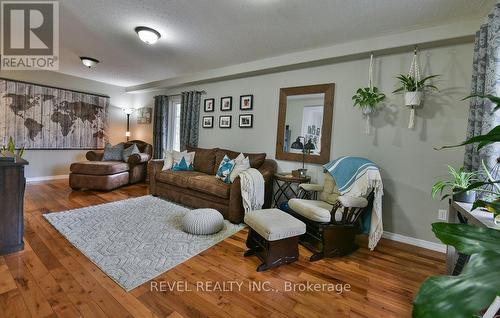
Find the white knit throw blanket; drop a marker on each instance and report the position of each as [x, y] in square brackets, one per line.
[252, 189]
[361, 187]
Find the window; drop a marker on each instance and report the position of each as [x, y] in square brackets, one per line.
[174, 124]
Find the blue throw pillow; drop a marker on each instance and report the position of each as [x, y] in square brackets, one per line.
[130, 151]
[113, 153]
[184, 164]
[225, 168]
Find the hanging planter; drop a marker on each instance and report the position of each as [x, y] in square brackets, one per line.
[414, 87]
[367, 98]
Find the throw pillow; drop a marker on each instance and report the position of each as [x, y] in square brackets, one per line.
[168, 160]
[225, 168]
[241, 163]
[183, 161]
[113, 153]
[130, 151]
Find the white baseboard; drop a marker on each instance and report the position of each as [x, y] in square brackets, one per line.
[414, 241]
[47, 178]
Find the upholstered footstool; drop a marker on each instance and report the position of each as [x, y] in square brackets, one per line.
[273, 237]
[202, 222]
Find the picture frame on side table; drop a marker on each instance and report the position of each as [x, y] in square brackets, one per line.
[246, 121]
[226, 103]
[209, 105]
[208, 122]
[246, 102]
[225, 121]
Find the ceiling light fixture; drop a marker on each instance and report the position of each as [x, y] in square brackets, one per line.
[147, 35]
[88, 61]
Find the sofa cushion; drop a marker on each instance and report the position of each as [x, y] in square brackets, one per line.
[256, 159]
[210, 185]
[204, 159]
[177, 178]
[113, 153]
[98, 168]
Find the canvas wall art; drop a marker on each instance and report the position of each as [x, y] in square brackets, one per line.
[42, 117]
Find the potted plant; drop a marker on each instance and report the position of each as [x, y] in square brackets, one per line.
[461, 180]
[11, 148]
[413, 88]
[367, 98]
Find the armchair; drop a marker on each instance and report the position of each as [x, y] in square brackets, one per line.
[332, 221]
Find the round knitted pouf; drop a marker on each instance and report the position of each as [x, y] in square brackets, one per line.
[202, 222]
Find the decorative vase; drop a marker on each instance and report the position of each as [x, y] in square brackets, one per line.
[413, 98]
[465, 197]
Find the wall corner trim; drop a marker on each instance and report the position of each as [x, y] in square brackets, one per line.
[47, 178]
[414, 241]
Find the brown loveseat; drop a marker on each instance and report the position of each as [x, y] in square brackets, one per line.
[97, 174]
[200, 188]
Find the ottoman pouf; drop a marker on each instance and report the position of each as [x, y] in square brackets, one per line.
[273, 237]
[202, 222]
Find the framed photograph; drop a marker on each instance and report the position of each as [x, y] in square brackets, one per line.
[208, 122]
[225, 121]
[209, 105]
[246, 121]
[144, 115]
[226, 103]
[246, 102]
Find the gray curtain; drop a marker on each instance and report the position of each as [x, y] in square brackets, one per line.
[160, 125]
[485, 80]
[190, 116]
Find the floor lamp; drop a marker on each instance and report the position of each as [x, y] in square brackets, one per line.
[128, 112]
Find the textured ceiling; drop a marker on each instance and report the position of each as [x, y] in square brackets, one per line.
[205, 34]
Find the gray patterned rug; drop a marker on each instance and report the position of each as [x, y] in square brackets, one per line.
[134, 240]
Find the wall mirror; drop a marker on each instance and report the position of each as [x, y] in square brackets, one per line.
[305, 123]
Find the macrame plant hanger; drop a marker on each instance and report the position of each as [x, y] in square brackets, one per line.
[367, 111]
[415, 73]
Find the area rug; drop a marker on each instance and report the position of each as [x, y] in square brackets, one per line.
[134, 240]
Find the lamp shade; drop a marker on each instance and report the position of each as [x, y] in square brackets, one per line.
[297, 144]
[309, 145]
[147, 35]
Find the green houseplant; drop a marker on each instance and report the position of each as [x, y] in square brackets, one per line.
[476, 287]
[413, 88]
[461, 179]
[368, 98]
[11, 147]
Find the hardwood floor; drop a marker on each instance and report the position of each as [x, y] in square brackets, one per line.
[51, 278]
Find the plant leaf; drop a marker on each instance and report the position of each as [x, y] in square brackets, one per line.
[483, 140]
[467, 239]
[492, 98]
[460, 296]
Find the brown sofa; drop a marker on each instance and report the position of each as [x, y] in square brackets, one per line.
[96, 174]
[200, 188]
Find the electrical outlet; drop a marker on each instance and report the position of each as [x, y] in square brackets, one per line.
[442, 214]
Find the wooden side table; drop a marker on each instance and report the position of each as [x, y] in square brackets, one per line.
[287, 186]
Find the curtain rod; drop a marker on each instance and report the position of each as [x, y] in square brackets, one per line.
[173, 95]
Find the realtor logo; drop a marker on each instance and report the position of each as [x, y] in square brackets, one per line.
[30, 35]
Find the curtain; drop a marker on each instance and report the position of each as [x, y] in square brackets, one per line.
[485, 80]
[190, 115]
[160, 125]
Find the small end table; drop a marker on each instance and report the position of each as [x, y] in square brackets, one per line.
[287, 186]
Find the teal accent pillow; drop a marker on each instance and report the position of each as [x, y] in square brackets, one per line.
[113, 153]
[225, 168]
[127, 152]
[183, 165]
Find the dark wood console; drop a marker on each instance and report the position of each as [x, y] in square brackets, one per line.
[12, 184]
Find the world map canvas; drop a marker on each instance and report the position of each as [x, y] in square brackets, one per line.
[39, 117]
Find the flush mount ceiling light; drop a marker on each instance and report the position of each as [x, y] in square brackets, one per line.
[88, 61]
[147, 35]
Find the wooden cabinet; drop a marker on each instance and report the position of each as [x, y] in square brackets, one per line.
[12, 184]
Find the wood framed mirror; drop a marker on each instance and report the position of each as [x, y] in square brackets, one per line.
[305, 123]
